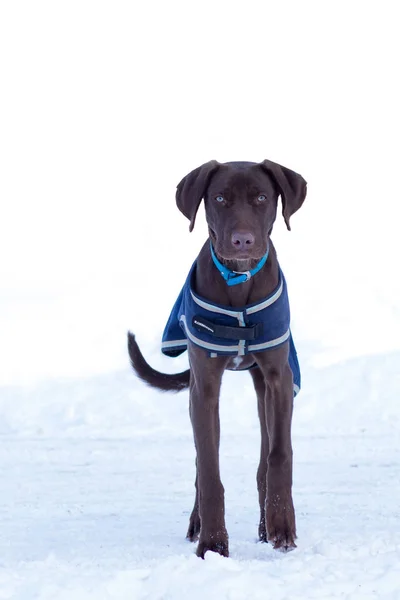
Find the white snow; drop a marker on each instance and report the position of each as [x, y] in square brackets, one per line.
[104, 107]
[97, 486]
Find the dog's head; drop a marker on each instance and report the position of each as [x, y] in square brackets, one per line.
[241, 201]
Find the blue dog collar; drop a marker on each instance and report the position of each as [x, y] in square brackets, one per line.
[236, 277]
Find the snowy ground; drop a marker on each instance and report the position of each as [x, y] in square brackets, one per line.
[97, 487]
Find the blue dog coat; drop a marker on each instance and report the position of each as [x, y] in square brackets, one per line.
[223, 330]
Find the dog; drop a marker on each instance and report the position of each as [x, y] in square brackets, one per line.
[233, 313]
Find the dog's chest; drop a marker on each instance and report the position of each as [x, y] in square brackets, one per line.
[239, 363]
[239, 333]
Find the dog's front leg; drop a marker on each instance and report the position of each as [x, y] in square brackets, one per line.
[279, 510]
[260, 387]
[205, 384]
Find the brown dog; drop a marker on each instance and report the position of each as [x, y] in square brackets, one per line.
[241, 205]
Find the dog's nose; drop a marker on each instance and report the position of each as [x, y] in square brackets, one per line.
[242, 241]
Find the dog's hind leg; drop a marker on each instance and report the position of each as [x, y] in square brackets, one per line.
[259, 385]
[194, 521]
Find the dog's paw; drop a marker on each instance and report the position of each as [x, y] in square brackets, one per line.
[217, 544]
[282, 541]
[281, 524]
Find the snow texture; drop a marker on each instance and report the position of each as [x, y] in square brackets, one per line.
[97, 487]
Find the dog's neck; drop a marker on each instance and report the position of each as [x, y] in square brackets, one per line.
[211, 285]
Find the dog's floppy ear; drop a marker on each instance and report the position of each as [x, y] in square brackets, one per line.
[192, 188]
[291, 186]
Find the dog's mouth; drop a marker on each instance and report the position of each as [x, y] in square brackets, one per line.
[237, 259]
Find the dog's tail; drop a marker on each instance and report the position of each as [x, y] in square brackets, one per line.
[162, 381]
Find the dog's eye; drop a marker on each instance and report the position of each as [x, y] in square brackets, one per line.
[262, 198]
[219, 198]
